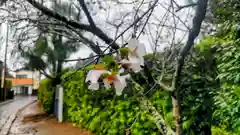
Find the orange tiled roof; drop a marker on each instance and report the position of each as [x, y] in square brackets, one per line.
[22, 81]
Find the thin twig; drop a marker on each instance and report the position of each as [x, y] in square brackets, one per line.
[99, 55]
[135, 16]
[69, 76]
[135, 21]
[144, 25]
[186, 6]
[133, 123]
[162, 5]
[155, 84]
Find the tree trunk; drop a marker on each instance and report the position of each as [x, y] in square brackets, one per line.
[176, 112]
[193, 33]
[156, 116]
[59, 67]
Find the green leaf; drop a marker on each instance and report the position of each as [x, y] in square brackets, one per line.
[195, 76]
[237, 78]
[124, 52]
[187, 124]
[108, 59]
[90, 67]
[237, 91]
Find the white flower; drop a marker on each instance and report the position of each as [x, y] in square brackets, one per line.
[119, 82]
[135, 57]
[134, 64]
[93, 77]
[132, 44]
[121, 70]
[140, 52]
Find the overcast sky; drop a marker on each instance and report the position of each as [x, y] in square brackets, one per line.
[100, 18]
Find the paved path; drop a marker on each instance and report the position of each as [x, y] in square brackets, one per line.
[8, 112]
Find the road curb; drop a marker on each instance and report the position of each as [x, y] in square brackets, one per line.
[5, 102]
[16, 115]
[26, 106]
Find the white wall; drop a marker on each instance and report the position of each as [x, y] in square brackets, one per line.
[24, 72]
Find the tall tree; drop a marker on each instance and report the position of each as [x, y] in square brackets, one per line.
[49, 54]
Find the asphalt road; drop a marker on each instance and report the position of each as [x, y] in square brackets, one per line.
[9, 109]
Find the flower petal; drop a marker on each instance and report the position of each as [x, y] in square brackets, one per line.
[141, 50]
[93, 76]
[125, 62]
[120, 84]
[89, 76]
[121, 70]
[141, 61]
[93, 86]
[132, 44]
[135, 63]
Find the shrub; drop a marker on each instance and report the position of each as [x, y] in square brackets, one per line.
[220, 131]
[8, 84]
[45, 94]
[102, 111]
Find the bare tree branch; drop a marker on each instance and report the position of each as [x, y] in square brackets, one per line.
[163, 6]
[186, 6]
[89, 17]
[97, 31]
[135, 17]
[148, 17]
[164, 87]
[135, 21]
[2, 2]
[45, 74]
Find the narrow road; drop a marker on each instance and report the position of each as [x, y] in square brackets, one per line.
[8, 112]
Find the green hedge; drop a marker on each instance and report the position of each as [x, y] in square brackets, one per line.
[221, 131]
[102, 112]
[8, 84]
[45, 94]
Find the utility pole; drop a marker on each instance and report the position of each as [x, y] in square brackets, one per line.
[5, 68]
[1, 88]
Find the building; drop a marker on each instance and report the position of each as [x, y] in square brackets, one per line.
[25, 81]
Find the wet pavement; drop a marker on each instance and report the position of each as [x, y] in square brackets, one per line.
[25, 116]
[9, 110]
[32, 120]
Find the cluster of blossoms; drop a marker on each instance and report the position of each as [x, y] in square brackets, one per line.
[134, 61]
